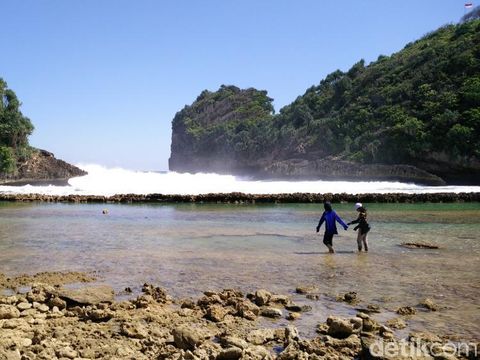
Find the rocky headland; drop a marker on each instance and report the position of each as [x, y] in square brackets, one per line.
[41, 168]
[51, 320]
[412, 117]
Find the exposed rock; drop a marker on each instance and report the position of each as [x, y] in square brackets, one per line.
[306, 289]
[216, 313]
[24, 306]
[133, 330]
[187, 337]
[91, 295]
[429, 304]
[339, 328]
[397, 323]
[9, 312]
[419, 245]
[261, 336]
[232, 353]
[42, 168]
[262, 297]
[292, 316]
[406, 310]
[271, 312]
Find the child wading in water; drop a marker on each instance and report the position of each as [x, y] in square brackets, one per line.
[363, 227]
[330, 217]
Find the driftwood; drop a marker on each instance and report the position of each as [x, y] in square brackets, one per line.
[419, 245]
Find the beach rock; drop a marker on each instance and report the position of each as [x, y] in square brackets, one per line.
[159, 294]
[271, 312]
[306, 289]
[397, 323]
[262, 297]
[261, 336]
[56, 301]
[216, 313]
[188, 304]
[24, 306]
[247, 310]
[232, 341]
[429, 304]
[339, 328]
[233, 353]
[133, 330]
[370, 325]
[406, 310]
[280, 299]
[91, 295]
[67, 352]
[9, 312]
[292, 316]
[187, 337]
[100, 315]
[350, 297]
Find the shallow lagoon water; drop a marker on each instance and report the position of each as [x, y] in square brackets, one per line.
[189, 248]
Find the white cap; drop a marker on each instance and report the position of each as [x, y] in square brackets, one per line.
[358, 205]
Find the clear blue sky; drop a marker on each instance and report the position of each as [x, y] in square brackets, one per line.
[102, 79]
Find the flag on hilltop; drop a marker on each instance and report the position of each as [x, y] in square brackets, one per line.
[468, 5]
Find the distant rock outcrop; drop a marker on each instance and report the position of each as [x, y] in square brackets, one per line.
[42, 167]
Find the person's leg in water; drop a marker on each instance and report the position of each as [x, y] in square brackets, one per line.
[364, 240]
[328, 241]
[359, 240]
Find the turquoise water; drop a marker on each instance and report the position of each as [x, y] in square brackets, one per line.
[191, 248]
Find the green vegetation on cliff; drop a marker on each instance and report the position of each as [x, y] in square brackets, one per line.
[14, 131]
[420, 107]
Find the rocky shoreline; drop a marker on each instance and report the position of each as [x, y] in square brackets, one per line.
[242, 198]
[54, 321]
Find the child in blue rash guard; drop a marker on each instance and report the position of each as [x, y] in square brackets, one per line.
[330, 218]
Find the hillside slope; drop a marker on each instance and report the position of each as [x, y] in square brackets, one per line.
[412, 116]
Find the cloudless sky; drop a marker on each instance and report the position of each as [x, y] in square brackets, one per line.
[101, 80]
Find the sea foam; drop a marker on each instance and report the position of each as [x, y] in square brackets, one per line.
[110, 181]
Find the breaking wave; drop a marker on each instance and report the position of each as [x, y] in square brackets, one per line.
[110, 181]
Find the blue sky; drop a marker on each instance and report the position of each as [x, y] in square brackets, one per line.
[102, 79]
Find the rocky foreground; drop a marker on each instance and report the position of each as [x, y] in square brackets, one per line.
[53, 321]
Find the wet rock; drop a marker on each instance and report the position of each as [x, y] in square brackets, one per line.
[144, 301]
[306, 289]
[187, 337]
[339, 328]
[247, 310]
[100, 315]
[397, 323]
[350, 297]
[370, 325]
[313, 297]
[159, 294]
[88, 295]
[292, 316]
[271, 312]
[262, 297]
[9, 312]
[429, 304]
[41, 307]
[406, 310]
[419, 245]
[188, 304]
[280, 299]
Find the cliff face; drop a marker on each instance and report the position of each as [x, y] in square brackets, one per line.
[42, 167]
[413, 116]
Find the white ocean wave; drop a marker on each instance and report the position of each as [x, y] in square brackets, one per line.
[110, 181]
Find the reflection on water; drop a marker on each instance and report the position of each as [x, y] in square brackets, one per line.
[190, 248]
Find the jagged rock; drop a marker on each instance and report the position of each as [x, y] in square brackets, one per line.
[397, 323]
[216, 313]
[262, 297]
[24, 306]
[406, 310]
[429, 304]
[292, 316]
[280, 299]
[339, 328]
[67, 352]
[261, 336]
[232, 341]
[247, 310]
[56, 301]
